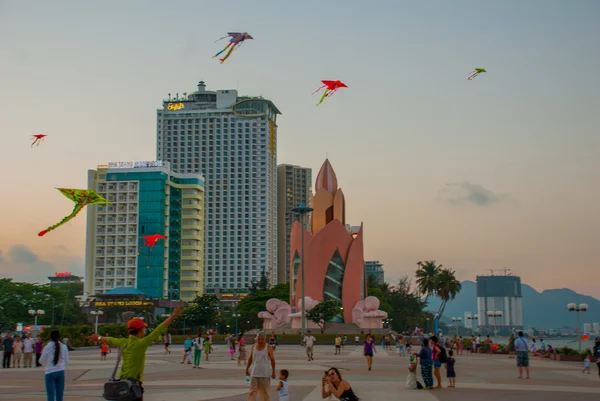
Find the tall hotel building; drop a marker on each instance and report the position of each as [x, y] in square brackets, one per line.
[293, 188]
[146, 198]
[500, 294]
[232, 141]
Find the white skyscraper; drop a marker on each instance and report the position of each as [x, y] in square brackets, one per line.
[232, 142]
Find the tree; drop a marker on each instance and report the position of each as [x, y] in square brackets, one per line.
[426, 278]
[255, 302]
[59, 304]
[202, 311]
[404, 306]
[447, 288]
[261, 285]
[324, 312]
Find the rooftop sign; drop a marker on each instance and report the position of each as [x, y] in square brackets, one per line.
[175, 106]
[62, 274]
[135, 164]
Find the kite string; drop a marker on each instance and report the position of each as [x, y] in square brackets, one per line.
[320, 87]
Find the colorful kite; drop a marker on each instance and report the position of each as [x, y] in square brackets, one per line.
[37, 138]
[331, 88]
[150, 241]
[476, 72]
[82, 198]
[237, 39]
[585, 337]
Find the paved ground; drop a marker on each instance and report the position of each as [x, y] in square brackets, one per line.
[492, 378]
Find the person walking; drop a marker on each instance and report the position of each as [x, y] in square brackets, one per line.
[167, 343]
[17, 352]
[425, 357]
[198, 345]
[39, 347]
[8, 350]
[133, 348]
[28, 351]
[261, 356]
[596, 353]
[522, 355]
[309, 342]
[56, 357]
[338, 345]
[369, 349]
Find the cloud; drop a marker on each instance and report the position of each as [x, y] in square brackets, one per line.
[20, 263]
[467, 193]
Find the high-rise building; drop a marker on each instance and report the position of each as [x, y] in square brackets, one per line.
[375, 268]
[232, 141]
[147, 198]
[587, 328]
[596, 328]
[293, 189]
[500, 294]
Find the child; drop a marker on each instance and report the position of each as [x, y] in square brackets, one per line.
[242, 351]
[103, 351]
[450, 373]
[282, 388]
[207, 346]
[411, 379]
[187, 353]
[586, 364]
[232, 348]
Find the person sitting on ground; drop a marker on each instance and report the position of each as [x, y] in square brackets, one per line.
[336, 386]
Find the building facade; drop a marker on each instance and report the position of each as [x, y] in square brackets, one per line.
[293, 189]
[232, 141]
[500, 293]
[147, 199]
[375, 269]
[68, 281]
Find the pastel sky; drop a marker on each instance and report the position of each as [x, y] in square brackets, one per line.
[501, 171]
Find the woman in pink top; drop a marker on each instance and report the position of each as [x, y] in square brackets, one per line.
[437, 365]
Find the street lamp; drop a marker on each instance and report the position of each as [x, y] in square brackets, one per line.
[35, 313]
[301, 211]
[96, 314]
[577, 309]
[473, 318]
[495, 314]
[237, 326]
[457, 320]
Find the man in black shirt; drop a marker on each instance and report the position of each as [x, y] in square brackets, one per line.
[8, 350]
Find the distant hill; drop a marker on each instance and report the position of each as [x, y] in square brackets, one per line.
[544, 310]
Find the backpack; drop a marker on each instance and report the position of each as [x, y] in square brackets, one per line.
[443, 357]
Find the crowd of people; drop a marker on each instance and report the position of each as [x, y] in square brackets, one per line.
[434, 354]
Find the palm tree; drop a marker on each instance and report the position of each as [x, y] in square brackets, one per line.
[447, 288]
[426, 278]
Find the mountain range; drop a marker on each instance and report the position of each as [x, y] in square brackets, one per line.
[542, 310]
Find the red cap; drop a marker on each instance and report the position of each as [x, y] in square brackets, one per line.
[136, 323]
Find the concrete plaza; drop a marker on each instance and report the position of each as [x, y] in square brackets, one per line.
[491, 378]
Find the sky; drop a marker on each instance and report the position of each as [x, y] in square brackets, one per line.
[501, 171]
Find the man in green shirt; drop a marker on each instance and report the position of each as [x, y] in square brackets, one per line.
[133, 348]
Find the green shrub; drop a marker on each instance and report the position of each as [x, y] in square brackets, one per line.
[568, 351]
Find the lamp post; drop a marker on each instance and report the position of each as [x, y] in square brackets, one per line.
[457, 320]
[575, 308]
[96, 314]
[495, 314]
[35, 314]
[301, 211]
[237, 325]
[473, 318]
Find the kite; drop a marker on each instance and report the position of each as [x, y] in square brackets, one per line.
[331, 88]
[237, 39]
[37, 138]
[476, 72]
[150, 241]
[82, 198]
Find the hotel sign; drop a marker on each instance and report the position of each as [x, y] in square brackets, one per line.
[175, 106]
[135, 164]
[108, 304]
[62, 274]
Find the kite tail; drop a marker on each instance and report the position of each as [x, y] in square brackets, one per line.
[320, 87]
[221, 39]
[323, 97]
[225, 48]
[76, 210]
[228, 54]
